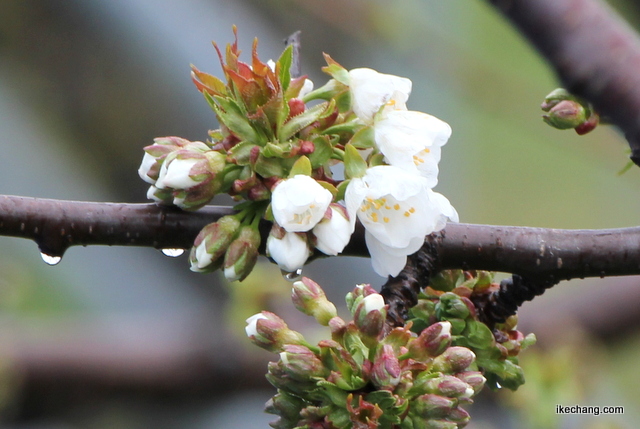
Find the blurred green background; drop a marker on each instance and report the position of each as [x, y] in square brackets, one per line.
[128, 338]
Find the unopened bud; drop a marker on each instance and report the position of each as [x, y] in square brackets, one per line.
[242, 254]
[301, 363]
[475, 379]
[432, 406]
[385, 373]
[565, 115]
[309, 298]
[446, 385]
[285, 405]
[370, 315]
[270, 332]
[211, 243]
[451, 306]
[454, 359]
[431, 342]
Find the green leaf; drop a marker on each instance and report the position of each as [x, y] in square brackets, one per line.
[269, 167]
[304, 119]
[277, 150]
[329, 187]
[354, 164]
[241, 152]
[322, 151]
[233, 117]
[478, 335]
[342, 188]
[336, 71]
[301, 166]
[284, 62]
[364, 138]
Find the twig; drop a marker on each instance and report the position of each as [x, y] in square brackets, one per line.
[595, 53]
[294, 40]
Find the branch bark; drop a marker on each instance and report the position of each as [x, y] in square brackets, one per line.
[595, 53]
[559, 254]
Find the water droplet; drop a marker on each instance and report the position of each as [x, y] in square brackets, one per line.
[50, 259]
[292, 276]
[172, 253]
[498, 385]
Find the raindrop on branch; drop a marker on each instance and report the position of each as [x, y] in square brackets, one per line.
[172, 253]
[50, 259]
[292, 276]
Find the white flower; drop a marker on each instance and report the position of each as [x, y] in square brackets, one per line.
[174, 174]
[397, 209]
[333, 233]
[299, 203]
[252, 324]
[411, 140]
[372, 302]
[290, 252]
[371, 90]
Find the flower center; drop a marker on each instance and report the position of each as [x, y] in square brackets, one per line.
[381, 209]
[419, 157]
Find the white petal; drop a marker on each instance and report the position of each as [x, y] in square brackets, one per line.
[385, 260]
[251, 328]
[333, 234]
[371, 90]
[290, 252]
[307, 87]
[372, 302]
[175, 174]
[147, 162]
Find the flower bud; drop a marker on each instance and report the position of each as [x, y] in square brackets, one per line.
[429, 406]
[431, 342]
[155, 155]
[309, 298]
[565, 114]
[460, 416]
[270, 332]
[288, 249]
[370, 315]
[301, 363]
[451, 306]
[242, 254]
[334, 230]
[446, 385]
[475, 379]
[354, 297]
[385, 373]
[193, 174]
[453, 359]
[285, 405]
[211, 243]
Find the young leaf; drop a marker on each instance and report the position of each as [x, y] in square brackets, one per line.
[354, 164]
[301, 166]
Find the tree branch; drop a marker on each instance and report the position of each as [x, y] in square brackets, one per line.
[560, 254]
[595, 53]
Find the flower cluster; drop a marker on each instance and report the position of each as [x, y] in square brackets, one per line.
[365, 376]
[275, 152]
[449, 298]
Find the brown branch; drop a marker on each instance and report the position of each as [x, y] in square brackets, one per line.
[534, 252]
[595, 53]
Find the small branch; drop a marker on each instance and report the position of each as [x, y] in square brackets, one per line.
[294, 40]
[595, 53]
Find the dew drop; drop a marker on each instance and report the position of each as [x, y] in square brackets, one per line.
[172, 253]
[50, 259]
[292, 276]
[498, 385]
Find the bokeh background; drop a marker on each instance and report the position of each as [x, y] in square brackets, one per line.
[129, 338]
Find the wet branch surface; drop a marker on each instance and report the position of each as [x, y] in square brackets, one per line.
[594, 52]
[540, 257]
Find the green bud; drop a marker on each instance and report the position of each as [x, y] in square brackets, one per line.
[446, 385]
[385, 373]
[453, 359]
[242, 254]
[475, 379]
[566, 114]
[460, 416]
[301, 363]
[270, 332]
[451, 306]
[285, 405]
[431, 342]
[430, 406]
[309, 298]
[211, 243]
